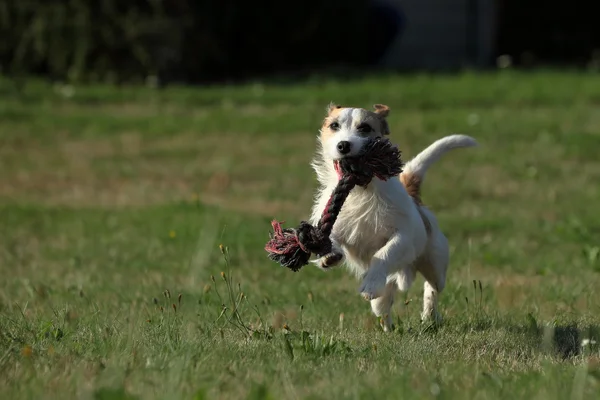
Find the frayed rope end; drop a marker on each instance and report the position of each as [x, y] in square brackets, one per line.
[285, 248]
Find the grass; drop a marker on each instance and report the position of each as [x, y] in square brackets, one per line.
[114, 203]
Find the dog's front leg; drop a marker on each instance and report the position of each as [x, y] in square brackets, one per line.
[333, 258]
[396, 254]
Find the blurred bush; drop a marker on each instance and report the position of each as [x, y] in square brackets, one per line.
[178, 40]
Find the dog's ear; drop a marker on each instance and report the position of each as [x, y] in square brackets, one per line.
[385, 127]
[382, 110]
[332, 106]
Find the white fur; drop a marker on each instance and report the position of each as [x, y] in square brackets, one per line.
[380, 230]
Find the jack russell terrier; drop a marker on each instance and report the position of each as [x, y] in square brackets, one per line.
[384, 233]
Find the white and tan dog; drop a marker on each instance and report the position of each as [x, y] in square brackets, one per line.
[384, 233]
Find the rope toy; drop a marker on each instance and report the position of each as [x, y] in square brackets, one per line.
[291, 247]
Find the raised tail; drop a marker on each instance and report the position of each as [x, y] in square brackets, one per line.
[413, 173]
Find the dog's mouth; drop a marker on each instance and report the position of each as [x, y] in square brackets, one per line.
[338, 169]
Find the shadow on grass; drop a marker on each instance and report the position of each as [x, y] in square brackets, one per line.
[563, 340]
[567, 341]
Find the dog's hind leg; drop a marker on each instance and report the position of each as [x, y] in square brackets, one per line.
[434, 270]
[430, 308]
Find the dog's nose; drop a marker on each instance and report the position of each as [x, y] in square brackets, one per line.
[344, 147]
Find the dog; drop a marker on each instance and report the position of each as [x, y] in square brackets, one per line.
[384, 233]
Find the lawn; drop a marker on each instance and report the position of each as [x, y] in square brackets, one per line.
[133, 222]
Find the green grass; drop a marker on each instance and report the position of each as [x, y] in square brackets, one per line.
[114, 202]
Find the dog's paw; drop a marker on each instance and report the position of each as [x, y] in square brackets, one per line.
[432, 317]
[328, 260]
[373, 286]
[386, 324]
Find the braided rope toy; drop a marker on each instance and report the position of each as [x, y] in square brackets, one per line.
[291, 247]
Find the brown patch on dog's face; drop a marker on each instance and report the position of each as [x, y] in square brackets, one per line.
[332, 107]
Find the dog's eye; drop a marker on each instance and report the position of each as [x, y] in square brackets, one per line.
[365, 128]
[334, 126]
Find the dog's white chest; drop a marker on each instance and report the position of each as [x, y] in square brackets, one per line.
[364, 225]
[368, 219]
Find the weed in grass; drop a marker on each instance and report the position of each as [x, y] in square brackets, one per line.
[234, 303]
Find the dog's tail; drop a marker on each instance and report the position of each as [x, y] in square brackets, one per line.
[413, 173]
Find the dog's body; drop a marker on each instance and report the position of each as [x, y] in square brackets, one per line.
[383, 233]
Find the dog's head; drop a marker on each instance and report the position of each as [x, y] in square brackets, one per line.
[345, 130]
